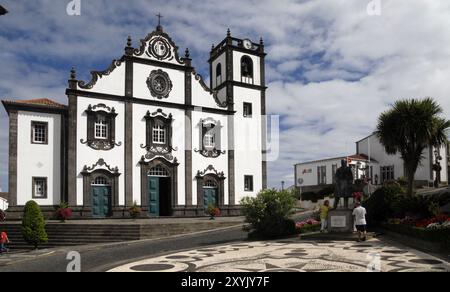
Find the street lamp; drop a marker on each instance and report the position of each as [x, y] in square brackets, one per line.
[282, 185]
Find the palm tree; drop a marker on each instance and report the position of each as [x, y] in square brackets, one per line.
[410, 127]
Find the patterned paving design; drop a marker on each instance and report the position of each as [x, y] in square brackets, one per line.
[293, 256]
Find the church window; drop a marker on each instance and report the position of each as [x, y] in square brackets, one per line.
[247, 110]
[218, 74]
[159, 134]
[158, 131]
[39, 133]
[39, 187]
[101, 128]
[248, 183]
[101, 120]
[246, 70]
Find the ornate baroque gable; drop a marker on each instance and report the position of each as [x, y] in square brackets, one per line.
[157, 45]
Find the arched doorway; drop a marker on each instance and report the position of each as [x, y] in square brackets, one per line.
[159, 180]
[101, 197]
[210, 192]
[159, 189]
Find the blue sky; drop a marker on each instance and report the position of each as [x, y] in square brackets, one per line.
[331, 67]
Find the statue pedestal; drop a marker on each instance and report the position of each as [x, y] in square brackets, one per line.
[340, 221]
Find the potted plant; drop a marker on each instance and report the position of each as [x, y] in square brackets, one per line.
[213, 212]
[135, 211]
[63, 212]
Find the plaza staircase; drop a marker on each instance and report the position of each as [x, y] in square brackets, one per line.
[66, 234]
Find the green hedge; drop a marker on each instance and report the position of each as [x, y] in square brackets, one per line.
[441, 236]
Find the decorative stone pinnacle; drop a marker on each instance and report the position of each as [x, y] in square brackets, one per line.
[73, 74]
[129, 43]
[228, 33]
[186, 53]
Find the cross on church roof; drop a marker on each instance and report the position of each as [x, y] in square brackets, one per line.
[159, 18]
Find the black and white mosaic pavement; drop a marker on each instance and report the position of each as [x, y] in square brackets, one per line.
[293, 256]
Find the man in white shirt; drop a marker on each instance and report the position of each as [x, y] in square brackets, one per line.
[359, 214]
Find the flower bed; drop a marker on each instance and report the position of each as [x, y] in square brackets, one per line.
[308, 226]
[435, 230]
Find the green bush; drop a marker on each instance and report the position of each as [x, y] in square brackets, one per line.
[391, 201]
[268, 213]
[380, 204]
[33, 225]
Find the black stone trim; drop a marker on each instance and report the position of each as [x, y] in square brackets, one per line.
[240, 84]
[153, 149]
[263, 123]
[229, 44]
[215, 126]
[95, 75]
[171, 167]
[129, 130]
[188, 135]
[160, 64]
[12, 180]
[92, 114]
[214, 93]
[159, 34]
[230, 120]
[210, 173]
[72, 151]
[147, 102]
[63, 158]
[153, 91]
[33, 187]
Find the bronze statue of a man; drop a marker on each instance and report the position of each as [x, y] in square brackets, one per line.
[344, 184]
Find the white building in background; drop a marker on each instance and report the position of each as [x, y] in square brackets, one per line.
[147, 130]
[370, 163]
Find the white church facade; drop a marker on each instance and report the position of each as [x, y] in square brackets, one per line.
[146, 131]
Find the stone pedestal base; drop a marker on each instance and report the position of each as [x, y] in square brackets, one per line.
[340, 221]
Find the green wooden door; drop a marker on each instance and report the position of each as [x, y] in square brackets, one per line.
[153, 200]
[210, 197]
[101, 201]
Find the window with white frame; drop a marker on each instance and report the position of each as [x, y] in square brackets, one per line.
[101, 128]
[158, 171]
[39, 132]
[210, 139]
[159, 134]
[39, 187]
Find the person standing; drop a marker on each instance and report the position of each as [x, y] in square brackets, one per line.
[324, 209]
[359, 214]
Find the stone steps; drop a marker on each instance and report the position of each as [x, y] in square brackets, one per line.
[66, 234]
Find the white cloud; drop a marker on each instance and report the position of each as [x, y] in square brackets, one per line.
[331, 68]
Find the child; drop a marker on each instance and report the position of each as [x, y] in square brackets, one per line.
[3, 240]
[324, 215]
